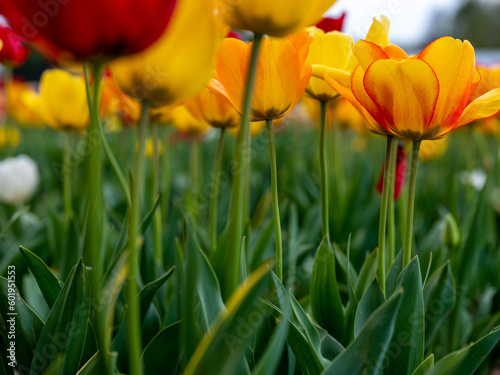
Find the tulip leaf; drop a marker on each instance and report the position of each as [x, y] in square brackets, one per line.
[262, 244]
[310, 330]
[424, 366]
[366, 275]
[410, 323]
[465, 361]
[370, 301]
[149, 216]
[366, 354]
[65, 330]
[344, 263]
[28, 326]
[439, 299]
[392, 277]
[326, 304]
[222, 349]
[49, 284]
[161, 355]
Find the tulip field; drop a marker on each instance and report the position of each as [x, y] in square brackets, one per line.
[239, 187]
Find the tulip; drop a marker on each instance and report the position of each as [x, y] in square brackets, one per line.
[9, 137]
[278, 88]
[20, 98]
[276, 18]
[14, 52]
[88, 29]
[62, 101]
[186, 123]
[19, 179]
[180, 63]
[432, 150]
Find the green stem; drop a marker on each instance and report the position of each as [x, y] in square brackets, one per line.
[391, 220]
[158, 240]
[215, 192]
[137, 188]
[241, 156]
[383, 212]
[411, 203]
[94, 208]
[276, 209]
[166, 175]
[66, 176]
[194, 177]
[324, 174]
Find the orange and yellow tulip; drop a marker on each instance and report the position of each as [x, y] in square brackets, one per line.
[422, 97]
[185, 122]
[276, 17]
[20, 96]
[281, 79]
[180, 63]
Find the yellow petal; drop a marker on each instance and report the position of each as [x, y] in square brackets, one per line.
[379, 31]
[453, 62]
[485, 106]
[367, 52]
[405, 93]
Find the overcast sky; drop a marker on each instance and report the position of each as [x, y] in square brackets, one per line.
[409, 18]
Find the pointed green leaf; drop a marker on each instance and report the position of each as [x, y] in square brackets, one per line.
[392, 277]
[28, 325]
[365, 355]
[49, 284]
[424, 366]
[223, 347]
[370, 302]
[465, 361]
[161, 355]
[407, 346]
[326, 305]
[66, 326]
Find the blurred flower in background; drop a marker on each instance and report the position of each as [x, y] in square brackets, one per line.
[432, 150]
[88, 29]
[20, 98]
[328, 24]
[19, 179]
[9, 137]
[14, 51]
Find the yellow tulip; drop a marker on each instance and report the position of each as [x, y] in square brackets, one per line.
[209, 107]
[333, 50]
[20, 95]
[272, 17]
[9, 137]
[185, 122]
[256, 128]
[62, 101]
[432, 150]
[281, 79]
[180, 63]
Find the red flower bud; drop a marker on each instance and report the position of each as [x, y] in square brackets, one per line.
[331, 24]
[400, 173]
[13, 51]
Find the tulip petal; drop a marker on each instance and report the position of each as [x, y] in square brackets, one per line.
[405, 93]
[453, 62]
[395, 52]
[379, 31]
[367, 52]
[485, 106]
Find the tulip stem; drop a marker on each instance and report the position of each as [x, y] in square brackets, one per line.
[215, 192]
[391, 220]
[94, 208]
[66, 178]
[324, 175]
[157, 192]
[411, 203]
[137, 188]
[241, 158]
[194, 177]
[276, 209]
[383, 212]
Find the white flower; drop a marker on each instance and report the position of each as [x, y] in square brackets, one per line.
[19, 179]
[475, 178]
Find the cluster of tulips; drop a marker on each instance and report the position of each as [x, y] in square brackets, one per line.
[127, 63]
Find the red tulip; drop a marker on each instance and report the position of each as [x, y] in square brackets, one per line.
[88, 29]
[14, 51]
[400, 173]
[331, 24]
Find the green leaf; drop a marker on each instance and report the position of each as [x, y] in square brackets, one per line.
[366, 354]
[27, 324]
[326, 305]
[161, 355]
[49, 284]
[392, 277]
[439, 299]
[424, 366]
[262, 244]
[465, 361]
[408, 341]
[223, 347]
[366, 275]
[66, 326]
[344, 263]
[371, 300]
[309, 328]
[149, 216]
[308, 359]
